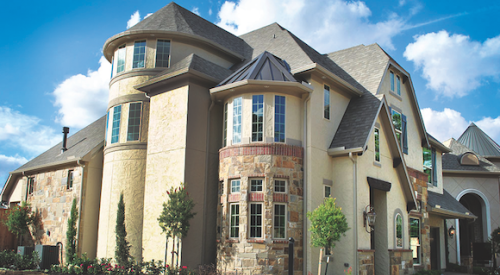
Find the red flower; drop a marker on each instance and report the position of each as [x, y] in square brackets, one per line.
[81, 265]
[168, 192]
[167, 266]
[185, 267]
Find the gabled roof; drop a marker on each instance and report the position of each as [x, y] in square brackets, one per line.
[446, 206]
[451, 161]
[266, 66]
[477, 140]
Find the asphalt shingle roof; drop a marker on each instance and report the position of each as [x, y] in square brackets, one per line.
[447, 202]
[477, 140]
[451, 161]
[78, 144]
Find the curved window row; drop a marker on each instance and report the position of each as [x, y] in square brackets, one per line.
[113, 122]
[162, 56]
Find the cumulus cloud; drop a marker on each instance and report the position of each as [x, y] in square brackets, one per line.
[450, 123]
[7, 164]
[196, 11]
[325, 25]
[453, 64]
[82, 99]
[134, 19]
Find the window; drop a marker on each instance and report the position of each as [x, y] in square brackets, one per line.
[235, 186]
[120, 66]
[107, 125]
[256, 185]
[255, 220]
[377, 144]
[398, 84]
[139, 54]
[69, 183]
[429, 156]
[280, 186]
[328, 191]
[279, 118]
[115, 130]
[279, 221]
[326, 102]
[399, 230]
[237, 120]
[415, 239]
[31, 185]
[112, 65]
[234, 231]
[392, 81]
[225, 126]
[257, 117]
[162, 53]
[134, 121]
[400, 125]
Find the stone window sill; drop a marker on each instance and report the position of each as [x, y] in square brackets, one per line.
[394, 94]
[255, 241]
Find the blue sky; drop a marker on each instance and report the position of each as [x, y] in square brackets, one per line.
[53, 74]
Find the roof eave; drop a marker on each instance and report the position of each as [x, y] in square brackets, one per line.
[486, 173]
[315, 67]
[449, 214]
[233, 88]
[438, 145]
[44, 166]
[147, 86]
[341, 151]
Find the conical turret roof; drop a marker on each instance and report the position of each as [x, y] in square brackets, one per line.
[477, 140]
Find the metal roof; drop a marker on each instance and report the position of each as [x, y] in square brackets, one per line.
[451, 161]
[477, 140]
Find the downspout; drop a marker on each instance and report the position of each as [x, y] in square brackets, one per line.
[26, 194]
[304, 180]
[205, 199]
[81, 203]
[355, 209]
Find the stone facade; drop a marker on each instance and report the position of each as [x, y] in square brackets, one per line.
[268, 162]
[401, 261]
[366, 262]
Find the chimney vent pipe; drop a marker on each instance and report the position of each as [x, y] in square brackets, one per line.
[65, 137]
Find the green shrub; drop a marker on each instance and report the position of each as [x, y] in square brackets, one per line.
[428, 272]
[12, 260]
[71, 233]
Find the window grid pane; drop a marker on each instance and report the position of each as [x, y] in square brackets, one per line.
[237, 120]
[377, 145]
[279, 221]
[162, 53]
[235, 221]
[121, 59]
[280, 186]
[326, 102]
[279, 118]
[257, 117]
[235, 186]
[255, 220]
[139, 54]
[225, 125]
[115, 130]
[256, 185]
[134, 121]
[392, 81]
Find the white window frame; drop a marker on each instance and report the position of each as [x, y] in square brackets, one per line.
[119, 124]
[250, 184]
[239, 186]
[392, 79]
[250, 220]
[225, 124]
[284, 115]
[124, 49]
[235, 116]
[145, 53]
[231, 220]
[263, 119]
[376, 132]
[286, 186]
[285, 223]
[398, 85]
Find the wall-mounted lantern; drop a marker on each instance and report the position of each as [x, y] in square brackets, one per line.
[369, 217]
[451, 231]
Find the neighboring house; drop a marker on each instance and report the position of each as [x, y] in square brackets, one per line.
[262, 128]
[70, 170]
[472, 176]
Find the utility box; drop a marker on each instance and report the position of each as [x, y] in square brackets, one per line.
[48, 254]
[25, 250]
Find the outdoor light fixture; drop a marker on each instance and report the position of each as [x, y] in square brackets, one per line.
[369, 217]
[451, 231]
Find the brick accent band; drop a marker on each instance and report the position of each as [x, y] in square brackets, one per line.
[261, 149]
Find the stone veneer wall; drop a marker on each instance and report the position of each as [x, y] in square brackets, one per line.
[269, 162]
[419, 181]
[366, 262]
[401, 261]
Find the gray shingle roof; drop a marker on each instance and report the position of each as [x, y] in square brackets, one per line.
[266, 66]
[477, 140]
[451, 161]
[447, 202]
[175, 18]
[79, 145]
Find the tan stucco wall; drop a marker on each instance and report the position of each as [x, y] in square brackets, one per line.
[439, 167]
[438, 222]
[180, 50]
[17, 194]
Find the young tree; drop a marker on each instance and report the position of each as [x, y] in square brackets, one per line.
[328, 224]
[19, 219]
[71, 233]
[122, 251]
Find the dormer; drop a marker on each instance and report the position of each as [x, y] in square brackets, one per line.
[469, 158]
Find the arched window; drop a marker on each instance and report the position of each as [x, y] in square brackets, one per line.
[398, 234]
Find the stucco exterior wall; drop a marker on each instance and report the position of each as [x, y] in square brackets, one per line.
[17, 194]
[438, 222]
[180, 50]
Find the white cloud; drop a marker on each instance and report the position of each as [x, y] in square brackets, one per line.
[8, 164]
[196, 11]
[82, 99]
[134, 19]
[326, 26]
[209, 11]
[450, 123]
[453, 64]
[148, 15]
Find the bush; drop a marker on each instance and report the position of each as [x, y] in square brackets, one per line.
[12, 260]
[428, 272]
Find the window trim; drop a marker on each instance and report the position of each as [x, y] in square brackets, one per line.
[239, 186]
[263, 119]
[419, 258]
[392, 79]
[70, 179]
[231, 220]
[400, 141]
[30, 182]
[398, 214]
[169, 52]
[234, 118]
[398, 85]
[140, 121]
[250, 185]
[325, 89]
[284, 116]
[261, 220]
[286, 186]
[324, 191]
[285, 223]
[225, 124]
[376, 147]
[124, 48]
[118, 122]
[145, 54]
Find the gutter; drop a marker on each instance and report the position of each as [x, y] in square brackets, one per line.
[355, 209]
[450, 214]
[341, 151]
[52, 164]
[304, 201]
[486, 173]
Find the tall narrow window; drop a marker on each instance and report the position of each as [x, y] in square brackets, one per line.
[399, 230]
[115, 130]
[69, 183]
[112, 65]
[392, 81]
[120, 66]
[235, 221]
[429, 156]
[280, 186]
[162, 53]
[255, 220]
[377, 144]
[237, 120]
[225, 126]
[415, 239]
[134, 121]
[139, 54]
[328, 191]
[279, 221]
[257, 117]
[107, 125]
[398, 84]
[279, 118]
[326, 102]
[235, 186]
[31, 185]
[396, 121]
[256, 185]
